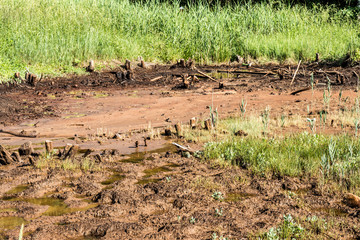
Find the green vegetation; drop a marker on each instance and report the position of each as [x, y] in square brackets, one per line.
[54, 37]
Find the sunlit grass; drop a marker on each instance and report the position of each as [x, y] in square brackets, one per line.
[50, 36]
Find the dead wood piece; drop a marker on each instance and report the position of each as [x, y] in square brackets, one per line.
[208, 124]
[26, 149]
[183, 148]
[33, 79]
[178, 129]
[143, 64]
[23, 133]
[49, 146]
[130, 75]
[204, 74]
[221, 85]
[186, 83]
[71, 152]
[182, 63]
[137, 144]
[91, 66]
[98, 158]
[127, 64]
[297, 69]
[246, 72]
[190, 64]
[317, 57]
[65, 151]
[167, 132]
[5, 157]
[301, 90]
[16, 157]
[87, 153]
[193, 123]
[155, 79]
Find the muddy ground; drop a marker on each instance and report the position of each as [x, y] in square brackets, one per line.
[153, 192]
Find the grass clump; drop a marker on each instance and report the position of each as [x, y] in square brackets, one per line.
[57, 36]
[330, 158]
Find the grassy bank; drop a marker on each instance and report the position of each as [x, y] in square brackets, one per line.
[49, 36]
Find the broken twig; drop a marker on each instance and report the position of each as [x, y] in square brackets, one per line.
[297, 69]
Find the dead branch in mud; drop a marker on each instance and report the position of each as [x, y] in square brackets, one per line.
[246, 72]
[20, 134]
[297, 69]
[204, 74]
[301, 90]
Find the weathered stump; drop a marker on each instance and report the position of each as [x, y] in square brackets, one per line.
[5, 157]
[190, 64]
[143, 64]
[91, 66]
[182, 63]
[167, 132]
[193, 123]
[71, 152]
[178, 129]
[317, 57]
[16, 157]
[26, 149]
[208, 124]
[127, 64]
[49, 146]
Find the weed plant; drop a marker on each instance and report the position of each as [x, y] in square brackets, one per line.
[52, 36]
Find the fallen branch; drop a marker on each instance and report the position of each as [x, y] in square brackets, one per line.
[297, 69]
[301, 90]
[183, 147]
[155, 79]
[246, 72]
[20, 134]
[204, 74]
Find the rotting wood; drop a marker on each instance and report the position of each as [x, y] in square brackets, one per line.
[127, 64]
[178, 129]
[71, 152]
[16, 157]
[143, 64]
[204, 74]
[87, 153]
[183, 148]
[247, 72]
[49, 146]
[91, 66]
[190, 64]
[193, 123]
[23, 133]
[297, 69]
[26, 149]
[65, 151]
[317, 57]
[182, 63]
[5, 157]
[208, 124]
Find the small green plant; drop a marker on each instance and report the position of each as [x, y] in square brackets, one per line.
[218, 195]
[214, 236]
[243, 107]
[265, 117]
[214, 115]
[168, 179]
[289, 229]
[340, 96]
[218, 212]
[21, 232]
[291, 194]
[192, 220]
[282, 119]
[311, 122]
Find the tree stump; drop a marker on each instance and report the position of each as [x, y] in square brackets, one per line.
[49, 146]
[71, 152]
[33, 79]
[65, 151]
[190, 64]
[178, 129]
[208, 124]
[129, 75]
[143, 64]
[193, 123]
[26, 149]
[221, 85]
[127, 64]
[182, 63]
[87, 153]
[167, 132]
[16, 157]
[317, 57]
[5, 157]
[91, 66]
[186, 83]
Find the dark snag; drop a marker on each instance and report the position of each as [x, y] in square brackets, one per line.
[167, 132]
[72, 152]
[193, 123]
[91, 66]
[26, 149]
[33, 79]
[208, 124]
[317, 57]
[178, 129]
[143, 64]
[221, 85]
[182, 63]
[137, 144]
[5, 157]
[190, 64]
[186, 83]
[127, 64]
[16, 157]
[145, 143]
[87, 153]
[49, 146]
[130, 75]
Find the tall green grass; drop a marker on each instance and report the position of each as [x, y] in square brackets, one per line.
[49, 35]
[328, 158]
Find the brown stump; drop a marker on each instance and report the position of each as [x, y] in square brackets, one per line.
[182, 63]
[72, 152]
[5, 157]
[87, 153]
[127, 64]
[317, 57]
[91, 66]
[129, 75]
[221, 85]
[208, 124]
[190, 64]
[26, 149]
[65, 151]
[193, 123]
[137, 144]
[167, 132]
[49, 146]
[33, 79]
[143, 64]
[178, 129]
[186, 83]
[16, 157]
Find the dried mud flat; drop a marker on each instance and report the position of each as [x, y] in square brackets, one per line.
[144, 193]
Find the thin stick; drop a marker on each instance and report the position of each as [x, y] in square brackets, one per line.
[155, 79]
[297, 69]
[204, 74]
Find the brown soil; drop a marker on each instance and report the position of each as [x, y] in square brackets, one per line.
[159, 195]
